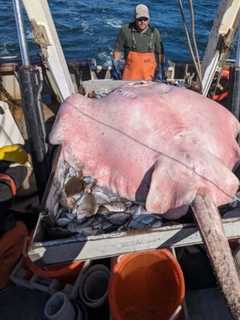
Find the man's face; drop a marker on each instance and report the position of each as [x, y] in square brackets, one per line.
[142, 23]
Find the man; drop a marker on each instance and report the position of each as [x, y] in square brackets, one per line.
[142, 48]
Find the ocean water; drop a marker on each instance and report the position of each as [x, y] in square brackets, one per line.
[88, 28]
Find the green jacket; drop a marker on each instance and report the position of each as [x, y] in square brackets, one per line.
[130, 39]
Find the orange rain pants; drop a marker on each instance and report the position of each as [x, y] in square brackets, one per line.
[11, 247]
[139, 66]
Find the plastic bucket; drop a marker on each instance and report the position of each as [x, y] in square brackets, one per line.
[11, 247]
[66, 273]
[147, 285]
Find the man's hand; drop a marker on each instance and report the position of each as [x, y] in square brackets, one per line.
[117, 55]
[160, 73]
[116, 67]
[116, 70]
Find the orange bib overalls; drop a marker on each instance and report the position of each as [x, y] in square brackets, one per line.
[140, 65]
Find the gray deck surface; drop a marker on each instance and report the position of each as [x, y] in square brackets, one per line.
[18, 303]
[24, 304]
[207, 304]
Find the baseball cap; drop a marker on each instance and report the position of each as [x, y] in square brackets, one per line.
[142, 11]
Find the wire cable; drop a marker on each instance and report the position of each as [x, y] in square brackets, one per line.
[190, 42]
[194, 37]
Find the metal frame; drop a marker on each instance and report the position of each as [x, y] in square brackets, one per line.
[113, 244]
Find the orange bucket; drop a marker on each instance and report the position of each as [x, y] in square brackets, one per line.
[66, 273]
[146, 285]
[11, 247]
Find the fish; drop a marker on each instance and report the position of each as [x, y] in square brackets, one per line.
[85, 206]
[74, 186]
[144, 221]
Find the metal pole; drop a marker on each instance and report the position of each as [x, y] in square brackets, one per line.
[238, 51]
[236, 88]
[20, 32]
[31, 86]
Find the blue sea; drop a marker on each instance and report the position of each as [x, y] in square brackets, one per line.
[88, 28]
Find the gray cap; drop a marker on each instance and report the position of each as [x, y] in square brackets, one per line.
[142, 11]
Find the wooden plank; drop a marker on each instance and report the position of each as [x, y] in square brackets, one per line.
[209, 222]
[107, 245]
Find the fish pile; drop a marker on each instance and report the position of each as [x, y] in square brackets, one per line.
[88, 209]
